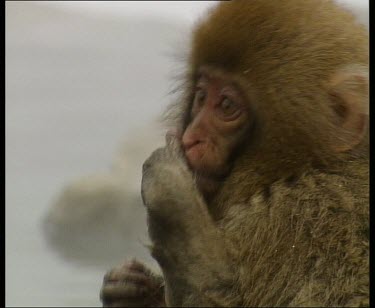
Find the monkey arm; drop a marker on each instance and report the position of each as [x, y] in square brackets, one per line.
[195, 263]
[188, 246]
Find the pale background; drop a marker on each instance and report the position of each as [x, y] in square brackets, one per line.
[85, 84]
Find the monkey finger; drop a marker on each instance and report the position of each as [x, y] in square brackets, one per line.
[127, 275]
[137, 266]
[112, 292]
[174, 146]
[116, 274]
[171, 135]
[138, 279]
[127, 303]
[111, 275]
[140, 301]
[155, 156]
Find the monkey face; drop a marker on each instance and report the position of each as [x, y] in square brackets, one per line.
[219, 118]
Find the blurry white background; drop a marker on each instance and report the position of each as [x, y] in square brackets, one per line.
[85, 84]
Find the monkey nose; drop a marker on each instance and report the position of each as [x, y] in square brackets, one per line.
[189, 143]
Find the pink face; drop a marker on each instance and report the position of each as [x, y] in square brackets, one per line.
[218, 122]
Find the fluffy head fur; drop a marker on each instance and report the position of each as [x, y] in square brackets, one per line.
[283, 54]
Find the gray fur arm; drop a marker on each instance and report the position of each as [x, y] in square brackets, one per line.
[186, 243]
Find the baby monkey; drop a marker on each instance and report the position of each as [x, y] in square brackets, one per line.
[260, 196]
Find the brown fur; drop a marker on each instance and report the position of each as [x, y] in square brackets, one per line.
[284, 52]
[289, 225]
[304, 245]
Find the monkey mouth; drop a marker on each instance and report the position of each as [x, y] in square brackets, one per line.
[195, 153]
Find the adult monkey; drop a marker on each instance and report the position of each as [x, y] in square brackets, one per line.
[262, 199]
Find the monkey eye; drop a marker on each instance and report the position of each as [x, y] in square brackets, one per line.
[198, 101]
[228, 109]
[199, 97]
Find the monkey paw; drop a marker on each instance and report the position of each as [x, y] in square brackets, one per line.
[166, 177]
[132, 285]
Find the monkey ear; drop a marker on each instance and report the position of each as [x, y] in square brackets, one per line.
[349, 92]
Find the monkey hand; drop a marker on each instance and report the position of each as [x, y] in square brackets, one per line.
[181, 230]
[167, 180]
[132, 285]
[176, 210]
